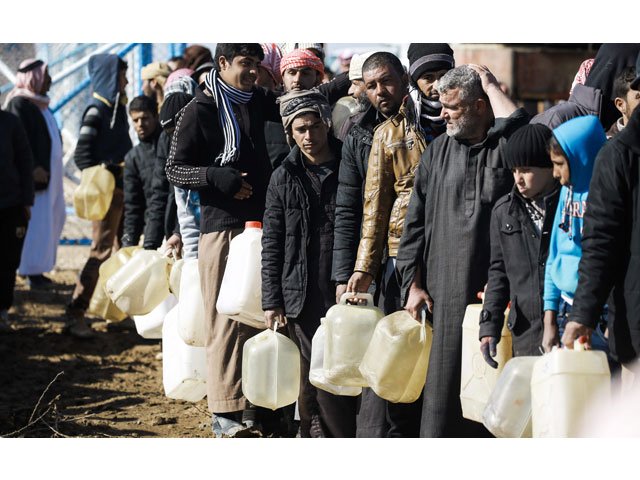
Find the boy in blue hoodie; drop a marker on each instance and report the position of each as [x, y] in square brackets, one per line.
[103, 139]
[573, 149]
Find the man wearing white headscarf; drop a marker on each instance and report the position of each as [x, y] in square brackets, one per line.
[29, 101]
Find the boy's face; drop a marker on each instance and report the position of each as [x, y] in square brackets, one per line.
[144, 123]
[560, 168]
[241, 72]
[533, 181]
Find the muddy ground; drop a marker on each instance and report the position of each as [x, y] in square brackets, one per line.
[54, 385]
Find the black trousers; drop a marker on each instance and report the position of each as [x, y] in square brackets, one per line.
[336, 414]
[403, 418]
[13, 229]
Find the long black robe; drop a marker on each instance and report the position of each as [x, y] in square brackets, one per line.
[446, 233]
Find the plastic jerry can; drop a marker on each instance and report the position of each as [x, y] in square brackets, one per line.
[174, 277]
[270, 370]
[349, 329]
[191, 317]
[100, 304]
[150, 325]
[508, 410]
[396, 361]
[477, 378]
[141, 284]
[92, 198]
[563, 384]
[184, 368]
[316, 368]
[241, 291]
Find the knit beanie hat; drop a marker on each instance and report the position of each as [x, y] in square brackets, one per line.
[301, 58]
[355, 68]
[528, 147]
[425, 57]
[296, 103]
[171, 107]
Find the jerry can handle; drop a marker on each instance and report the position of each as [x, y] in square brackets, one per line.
[361, 296]
[423, 326]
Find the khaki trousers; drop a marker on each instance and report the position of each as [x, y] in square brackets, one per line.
[105, 240]
[224, 337]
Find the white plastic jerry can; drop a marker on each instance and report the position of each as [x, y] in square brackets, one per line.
[477, 378]
[240, 294]
[316, 367]
[508, 410]
[100, 304]
[348, 331]
[174, 277]
[92, 198]
[270, 370]
[191, 317]
[141, 284]
[150, 325]
[184, 368]
[396, 361]
[563, 384]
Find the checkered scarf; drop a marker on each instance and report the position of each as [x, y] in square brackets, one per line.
[224, 95]
[301, 58]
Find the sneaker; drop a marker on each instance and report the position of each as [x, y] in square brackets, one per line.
[224, 427]
[38, 281]
[5, 326]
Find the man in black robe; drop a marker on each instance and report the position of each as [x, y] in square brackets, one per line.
[444, 251]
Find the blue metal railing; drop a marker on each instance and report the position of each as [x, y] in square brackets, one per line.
[86, 82]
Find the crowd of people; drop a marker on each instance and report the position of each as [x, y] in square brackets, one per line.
[422, 186]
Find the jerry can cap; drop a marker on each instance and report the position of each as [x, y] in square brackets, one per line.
[253, 225]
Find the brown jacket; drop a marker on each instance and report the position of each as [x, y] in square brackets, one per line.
[395, 154]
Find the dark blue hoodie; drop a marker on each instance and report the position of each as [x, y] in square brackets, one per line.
[581, 139]
[104, 134]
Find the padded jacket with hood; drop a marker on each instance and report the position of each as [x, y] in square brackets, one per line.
[104, 137]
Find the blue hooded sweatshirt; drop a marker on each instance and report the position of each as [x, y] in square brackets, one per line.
[580, 138]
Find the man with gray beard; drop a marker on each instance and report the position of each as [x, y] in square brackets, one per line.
[444, 252]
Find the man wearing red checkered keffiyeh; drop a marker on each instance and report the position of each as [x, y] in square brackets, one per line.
[301, 70]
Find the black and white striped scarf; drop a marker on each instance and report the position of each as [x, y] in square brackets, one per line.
[224, 95]
[427, 114]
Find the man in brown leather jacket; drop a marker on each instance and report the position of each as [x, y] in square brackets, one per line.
[398, 144]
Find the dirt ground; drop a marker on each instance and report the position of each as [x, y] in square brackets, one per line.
[54, 385]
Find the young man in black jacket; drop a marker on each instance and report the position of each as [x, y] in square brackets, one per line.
[139, 164]
[297, 248]
[610, 264]
[104, 139]
[218, 147]
[520, 231]
[16, 199]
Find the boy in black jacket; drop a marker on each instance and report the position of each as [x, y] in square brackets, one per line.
[139, 164]
[297, 250]
[520, 233]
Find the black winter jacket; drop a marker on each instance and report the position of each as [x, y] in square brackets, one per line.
[37, 132]
[16, 163]
[288, 256]
[516, 272]
[162, 211]
[350, 197]
[610, 263]
[197, 141]
[139, 164]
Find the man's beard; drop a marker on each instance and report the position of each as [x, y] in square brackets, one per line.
[464, 128]
[362, 103]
